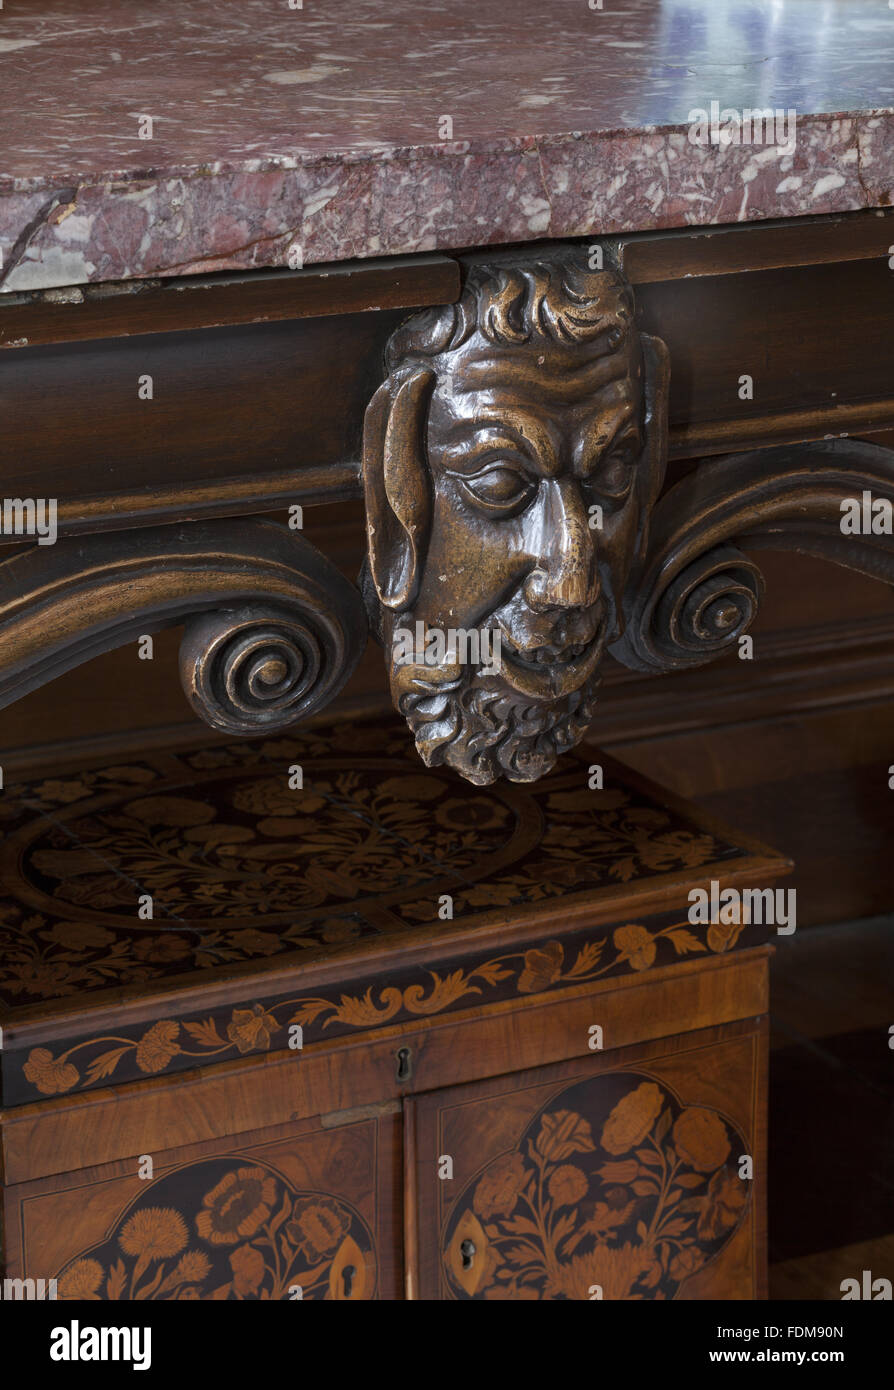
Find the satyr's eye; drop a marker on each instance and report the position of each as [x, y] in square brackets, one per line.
[615, 477]
[500, 489]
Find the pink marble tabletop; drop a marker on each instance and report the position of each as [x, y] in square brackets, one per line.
[185, 136]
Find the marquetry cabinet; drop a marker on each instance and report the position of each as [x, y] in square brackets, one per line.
[299, 1080]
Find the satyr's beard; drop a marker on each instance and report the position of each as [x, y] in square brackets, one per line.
[476, 722]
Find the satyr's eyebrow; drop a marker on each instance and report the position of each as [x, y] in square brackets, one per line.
[519, 370]
[468, 440]
[622, 418]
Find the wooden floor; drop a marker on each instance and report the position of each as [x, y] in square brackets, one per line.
[831, 1109]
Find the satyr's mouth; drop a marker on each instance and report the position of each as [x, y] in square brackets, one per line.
[546, 655]
[547, 670]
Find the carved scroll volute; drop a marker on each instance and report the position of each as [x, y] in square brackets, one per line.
[272, 629]
[510, 462]
[696, 593]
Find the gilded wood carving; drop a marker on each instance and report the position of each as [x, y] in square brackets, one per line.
[697, 593]
[512, 464]
[272, 630]
[511, 458]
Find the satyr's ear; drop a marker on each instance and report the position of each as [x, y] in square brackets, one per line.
[656, 368]
[653, 462]
[396, 484]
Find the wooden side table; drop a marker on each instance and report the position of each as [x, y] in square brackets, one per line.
[580, 357]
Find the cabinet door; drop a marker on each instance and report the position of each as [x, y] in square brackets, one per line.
[616, 1177]
[294, 1211]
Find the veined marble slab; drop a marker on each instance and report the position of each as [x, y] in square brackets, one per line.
[353, 128]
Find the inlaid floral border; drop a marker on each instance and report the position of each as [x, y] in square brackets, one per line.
[172, 1044]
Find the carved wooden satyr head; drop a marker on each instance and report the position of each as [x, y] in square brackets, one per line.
[510, 461]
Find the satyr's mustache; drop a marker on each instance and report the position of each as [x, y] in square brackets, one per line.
[547, 653]
[550, 641]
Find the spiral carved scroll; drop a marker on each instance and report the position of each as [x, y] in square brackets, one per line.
[272, 629]
[259, 669]
[696, 593]
[704, 609]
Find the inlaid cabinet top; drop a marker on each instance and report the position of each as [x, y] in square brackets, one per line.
[173, 139]
[227, 893]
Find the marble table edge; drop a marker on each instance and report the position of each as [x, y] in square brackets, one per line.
[182, 219]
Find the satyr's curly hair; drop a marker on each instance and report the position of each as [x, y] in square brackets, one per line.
[563, 301]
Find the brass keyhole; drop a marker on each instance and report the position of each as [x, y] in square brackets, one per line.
[404, 1063]
[467, 1251]
[347, 1279]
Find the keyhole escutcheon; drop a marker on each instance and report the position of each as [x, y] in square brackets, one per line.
[467, 1251]
[404, 1063]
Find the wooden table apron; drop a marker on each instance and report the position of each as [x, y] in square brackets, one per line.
[259, 384]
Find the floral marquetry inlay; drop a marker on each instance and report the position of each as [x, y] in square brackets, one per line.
[225, 1229]
[243, 870]
[172, 1043]
[240, 867]
[616, 1190]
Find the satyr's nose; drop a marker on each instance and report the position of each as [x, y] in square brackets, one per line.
[565, 575]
